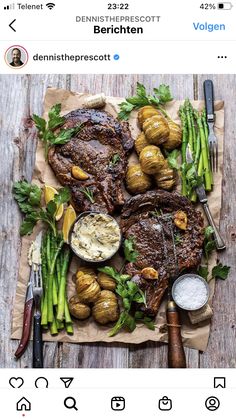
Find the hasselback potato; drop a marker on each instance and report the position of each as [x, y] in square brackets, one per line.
[140, 143]
[106, 282]
[165, 178]
[151, 160]
[106, 308]
[156, 129]
[77, 309]
[136, 180]
[88, 289]
[175, 136]
[145, 113]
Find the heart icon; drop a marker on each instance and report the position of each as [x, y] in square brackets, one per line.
[16, 382]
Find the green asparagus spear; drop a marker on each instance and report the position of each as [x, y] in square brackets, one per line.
[62, 288]
[206, 163]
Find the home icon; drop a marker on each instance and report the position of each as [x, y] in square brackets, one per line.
[23, 404]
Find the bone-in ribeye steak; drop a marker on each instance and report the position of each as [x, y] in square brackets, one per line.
[93, 149]
[139, 222]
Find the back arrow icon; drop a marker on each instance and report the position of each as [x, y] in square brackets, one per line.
[10, 25]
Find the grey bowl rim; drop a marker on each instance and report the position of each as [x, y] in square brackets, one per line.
[82, 215]
[180, 278]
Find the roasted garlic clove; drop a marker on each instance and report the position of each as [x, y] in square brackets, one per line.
[149, 274]
[78, 173]
[156, 129]
[106, 282]
[140, 143]
[77, 309]
[175, 136]
[145, 113]
[95, 101]
[106, 308]
[151, 160]
[136, 180]
[181, 220]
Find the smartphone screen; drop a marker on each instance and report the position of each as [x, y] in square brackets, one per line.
[117, 209]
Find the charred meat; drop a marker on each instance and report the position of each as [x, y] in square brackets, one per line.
[144, 218]
[99, 153]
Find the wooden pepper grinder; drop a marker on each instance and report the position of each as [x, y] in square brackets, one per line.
[176, 354]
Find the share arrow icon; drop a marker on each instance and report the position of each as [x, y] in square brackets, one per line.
[67, 381]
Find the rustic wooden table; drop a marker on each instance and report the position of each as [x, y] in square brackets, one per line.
[21, 96]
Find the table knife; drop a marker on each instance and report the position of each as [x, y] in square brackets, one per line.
[28, 308]
[27, 318]
[202, 196]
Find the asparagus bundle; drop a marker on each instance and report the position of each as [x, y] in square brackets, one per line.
[195, 133]
[55, 263]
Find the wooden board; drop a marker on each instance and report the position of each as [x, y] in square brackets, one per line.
[22, 95]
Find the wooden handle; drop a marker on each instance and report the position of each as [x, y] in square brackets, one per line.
[27, 318]
[176, 355]
[37, 342]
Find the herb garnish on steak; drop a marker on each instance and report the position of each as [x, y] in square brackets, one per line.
[139, 219]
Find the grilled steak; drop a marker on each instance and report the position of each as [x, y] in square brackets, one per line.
[100, 149]
[144, 217]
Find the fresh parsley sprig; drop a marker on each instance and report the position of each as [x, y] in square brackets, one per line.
[218, 271]
[47, 129]
[160, 96]
[129, 292]
[28, 197]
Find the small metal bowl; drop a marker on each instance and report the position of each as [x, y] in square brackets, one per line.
[82, 215]
[178, 280]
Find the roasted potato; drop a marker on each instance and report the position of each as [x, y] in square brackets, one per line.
[85, 270]
[77, 309]
[151, 160]
[165, 178]
[145, 113]
[136, 180]
[175, 136]
[106, 308]
[88, 289]
[106, 282]
[140, 142]
[181, 220]
[156, 129]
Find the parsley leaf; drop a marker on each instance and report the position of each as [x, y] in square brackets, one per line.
[160, 96]
[172, 159]
[47, 129]
[203, 271]
[129, 250]
[28, 197]
[220, 271]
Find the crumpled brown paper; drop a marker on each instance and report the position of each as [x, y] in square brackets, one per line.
[194, 336]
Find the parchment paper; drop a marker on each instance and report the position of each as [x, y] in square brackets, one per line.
[88, 331]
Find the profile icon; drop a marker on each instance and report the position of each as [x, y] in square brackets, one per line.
[16, 56]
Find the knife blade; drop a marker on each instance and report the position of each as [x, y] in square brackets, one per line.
[202, 196]
[29, 300]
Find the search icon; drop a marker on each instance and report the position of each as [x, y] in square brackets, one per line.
[70, 403]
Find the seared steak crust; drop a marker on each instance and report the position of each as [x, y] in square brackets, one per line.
[154, 248]
[100, 138]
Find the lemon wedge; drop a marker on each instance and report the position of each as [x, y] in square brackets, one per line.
[69, 218]
[49, 193]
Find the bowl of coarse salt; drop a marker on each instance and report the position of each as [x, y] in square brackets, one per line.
[190, 292]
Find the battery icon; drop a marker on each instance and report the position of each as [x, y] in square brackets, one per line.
[225, 5]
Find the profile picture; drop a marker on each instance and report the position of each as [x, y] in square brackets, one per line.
[16, 56]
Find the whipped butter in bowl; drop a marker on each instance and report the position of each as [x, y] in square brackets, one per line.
[95, 237]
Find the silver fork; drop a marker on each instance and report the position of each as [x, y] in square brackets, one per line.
[212, 140]
[37, 331]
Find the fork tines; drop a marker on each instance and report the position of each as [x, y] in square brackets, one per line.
[213, 149]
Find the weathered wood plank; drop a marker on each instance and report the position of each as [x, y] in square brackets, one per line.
[21, 95]
[221, 352]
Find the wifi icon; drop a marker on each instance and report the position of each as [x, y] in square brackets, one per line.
[50, 5]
